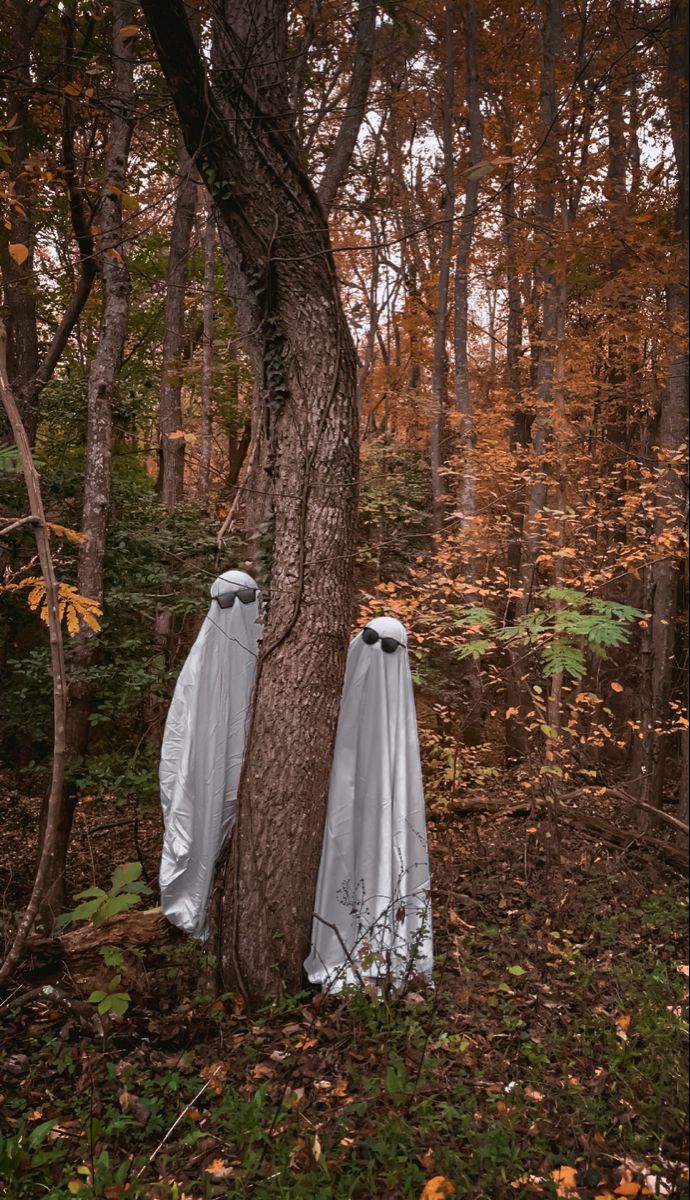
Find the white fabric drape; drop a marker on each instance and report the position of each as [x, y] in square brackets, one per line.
[373, 890]
[202, 751]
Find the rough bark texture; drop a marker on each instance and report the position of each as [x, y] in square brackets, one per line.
[282, 272]
[172, 443]
[102, 384]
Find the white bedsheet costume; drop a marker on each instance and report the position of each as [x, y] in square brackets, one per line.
[373, 890]
[202, 751]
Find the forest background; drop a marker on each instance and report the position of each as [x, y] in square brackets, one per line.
[506, 190]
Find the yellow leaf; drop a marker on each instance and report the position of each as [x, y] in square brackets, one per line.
[129, 31]
[565, 1179]
[72, 535]
[316, 1148]
[19, 252]
[437, 1188]
[36, 595]
[73, 89]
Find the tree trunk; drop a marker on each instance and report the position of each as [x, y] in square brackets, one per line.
[102, 384]
[172, 444]
[206, 416]
[57, 663]
[672, 434]
[18, 276]
[284, 275]
[463, 399]
[544, 210]
[439, 378]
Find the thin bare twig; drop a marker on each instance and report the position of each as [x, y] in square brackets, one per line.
[57, 655]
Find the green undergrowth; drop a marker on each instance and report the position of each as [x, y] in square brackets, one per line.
[542, 1047]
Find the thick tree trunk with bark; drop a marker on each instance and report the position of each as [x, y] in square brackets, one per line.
[282, 273]
[102, 385]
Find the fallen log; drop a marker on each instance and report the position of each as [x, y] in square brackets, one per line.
[672, 853]
[79, 948]
[616, 836]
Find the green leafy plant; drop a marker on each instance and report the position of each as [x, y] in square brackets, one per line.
[559, 633]
[110, 999]
[126, 890]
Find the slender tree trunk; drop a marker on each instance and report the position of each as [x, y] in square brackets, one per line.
[544, 218]
[463, 399]
[171, 438]
[672, 435]
[57, 660]
[439, 378]
[19, 287]
[102, 384]
[206, 416]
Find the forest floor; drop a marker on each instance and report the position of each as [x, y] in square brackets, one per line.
[550, 1060]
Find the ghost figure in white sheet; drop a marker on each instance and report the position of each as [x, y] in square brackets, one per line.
[372, 912]
[203, 747]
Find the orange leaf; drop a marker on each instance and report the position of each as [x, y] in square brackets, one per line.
[628, 1189]
[565, 1179]
[73, 89]
[617, 687]
[19, 252]
[437, 1188]
[129, 31]
[216, 1165]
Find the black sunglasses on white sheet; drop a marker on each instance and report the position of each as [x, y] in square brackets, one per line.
[388, 644]
[245, 595]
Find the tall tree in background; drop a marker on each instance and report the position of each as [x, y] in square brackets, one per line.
[172, 442]
[109, 250]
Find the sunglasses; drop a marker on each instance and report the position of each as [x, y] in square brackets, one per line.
[388, 644]
[245, 595]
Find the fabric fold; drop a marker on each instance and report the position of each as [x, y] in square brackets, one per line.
[202, 750]
[372, 910]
